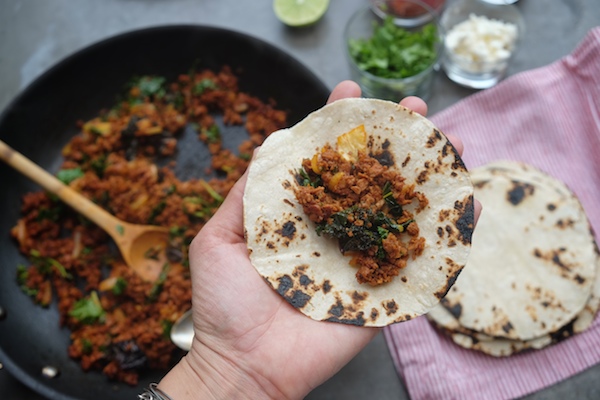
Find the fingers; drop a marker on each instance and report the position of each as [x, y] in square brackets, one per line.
[229, 218]
[416, 104]
[344, 90]
[477, 210]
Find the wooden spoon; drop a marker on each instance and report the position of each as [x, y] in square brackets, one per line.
[143, 247]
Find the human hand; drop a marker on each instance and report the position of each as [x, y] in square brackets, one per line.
[249, 342]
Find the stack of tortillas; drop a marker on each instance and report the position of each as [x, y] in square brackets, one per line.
[532, 277]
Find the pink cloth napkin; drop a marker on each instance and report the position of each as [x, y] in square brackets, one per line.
[550, 118]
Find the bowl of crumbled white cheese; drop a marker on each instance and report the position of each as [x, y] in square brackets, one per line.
[480, 40]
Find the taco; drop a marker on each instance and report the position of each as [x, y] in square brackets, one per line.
[421, 195]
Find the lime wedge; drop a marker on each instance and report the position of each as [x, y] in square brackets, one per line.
[300, 12]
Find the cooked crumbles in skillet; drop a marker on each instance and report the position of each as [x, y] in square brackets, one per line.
[119, 323]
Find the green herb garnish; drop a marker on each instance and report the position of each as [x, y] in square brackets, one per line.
[203, 85]
[67, 176]
[22, 276]
[119, 286]
[159, 283]
[46, 264]
[213, 134]
[167, 326]
[88, 309]
[394, 52]
[151, 86]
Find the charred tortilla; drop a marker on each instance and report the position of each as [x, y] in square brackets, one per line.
[309, 271]
[500, 347]
[533, 268]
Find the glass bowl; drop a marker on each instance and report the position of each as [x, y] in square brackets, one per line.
[376, 82]
[477, 45]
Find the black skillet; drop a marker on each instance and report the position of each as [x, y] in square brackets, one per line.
[41, 120]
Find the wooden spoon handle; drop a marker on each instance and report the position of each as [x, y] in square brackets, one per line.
[80, 203]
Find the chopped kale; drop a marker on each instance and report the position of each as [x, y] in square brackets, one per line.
[98, 165]
[360, 237]
[305, 179]
[128, 354]
[86, 346]
[51, 214]
[394, 207]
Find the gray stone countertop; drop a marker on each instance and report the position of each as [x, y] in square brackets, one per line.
[36, 34]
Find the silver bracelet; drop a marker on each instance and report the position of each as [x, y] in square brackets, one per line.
[153, 393]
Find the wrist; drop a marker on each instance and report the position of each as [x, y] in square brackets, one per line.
[197, 376]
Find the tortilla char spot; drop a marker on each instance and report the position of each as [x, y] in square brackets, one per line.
[519, 192]
[453, 174]
[556, 260]
[357, 298]
[424, 175]
[455, 271]
[317, 254]
[404, 279]
[407, 317]
[285, 284]
[326, 286]
[357, 321]
[287, 184]
[449, 230]
[466, 220]
[288, 230]
[385, 158]
[481, 184]
[298, 218]
[458, 163]
[440, 232]
[551, 207]
[270, 245]
[579, 279]
[305, 280]
[455, 310]
[390, 307]
[406, 161]
[435, 137]
[374, 314]
[289, 203]
[299, 270]
[337, 309]
[564, 332]
[302, 237]
[298, 299]
[507, 327]
[562, 224]
[444, 215]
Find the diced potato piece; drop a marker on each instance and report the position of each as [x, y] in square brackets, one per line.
[351, 142]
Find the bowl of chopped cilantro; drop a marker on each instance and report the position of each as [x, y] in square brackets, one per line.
[391, 60]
